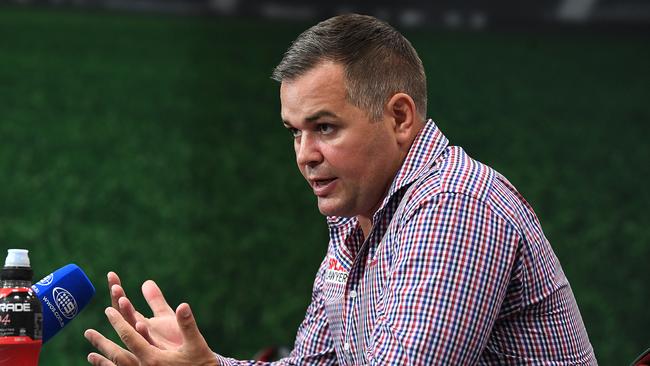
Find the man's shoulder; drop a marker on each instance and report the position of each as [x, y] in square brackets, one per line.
[455, 172]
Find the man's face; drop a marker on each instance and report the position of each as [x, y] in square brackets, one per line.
[348, 160]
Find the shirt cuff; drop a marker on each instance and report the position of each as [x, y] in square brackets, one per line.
[223, 361]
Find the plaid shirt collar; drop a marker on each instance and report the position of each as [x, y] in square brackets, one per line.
[428, 145]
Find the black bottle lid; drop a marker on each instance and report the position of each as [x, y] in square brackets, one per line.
[16, 274]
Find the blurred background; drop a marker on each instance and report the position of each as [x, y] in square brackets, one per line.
[143, 136]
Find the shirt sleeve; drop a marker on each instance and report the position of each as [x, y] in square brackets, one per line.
[449, 270]
[313, 345]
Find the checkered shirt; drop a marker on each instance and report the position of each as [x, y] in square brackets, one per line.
[456, 271]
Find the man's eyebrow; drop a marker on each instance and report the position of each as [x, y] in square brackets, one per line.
[314, 117]
[320, 114]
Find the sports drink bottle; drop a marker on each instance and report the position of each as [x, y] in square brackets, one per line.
[21, 315]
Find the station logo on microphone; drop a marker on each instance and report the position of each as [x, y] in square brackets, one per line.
[47, 280]
[65, 302]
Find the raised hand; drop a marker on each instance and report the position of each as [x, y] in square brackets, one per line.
[193, 349]
[161, 330]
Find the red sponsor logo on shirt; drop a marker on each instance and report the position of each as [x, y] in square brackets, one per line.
[334, 265]
[335, 272]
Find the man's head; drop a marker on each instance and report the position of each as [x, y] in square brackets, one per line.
[346, 88]
[378, 61]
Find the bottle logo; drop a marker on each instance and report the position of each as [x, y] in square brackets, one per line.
[47, 280]
[65, 302]
[15, 307]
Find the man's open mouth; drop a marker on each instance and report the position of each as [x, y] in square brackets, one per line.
[322, 182]
[323, 187]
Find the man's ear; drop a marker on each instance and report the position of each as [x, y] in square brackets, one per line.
[401, 111]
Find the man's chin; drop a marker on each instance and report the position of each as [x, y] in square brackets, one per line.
[329, 207]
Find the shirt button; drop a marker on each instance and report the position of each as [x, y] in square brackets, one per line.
[353, 294]
[346, 346]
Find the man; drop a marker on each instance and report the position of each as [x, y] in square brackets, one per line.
[434, 258]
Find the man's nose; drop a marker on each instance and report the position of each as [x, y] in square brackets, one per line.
[307, 151]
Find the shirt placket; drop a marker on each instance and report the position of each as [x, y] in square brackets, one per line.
[354, 329]
[349, 300]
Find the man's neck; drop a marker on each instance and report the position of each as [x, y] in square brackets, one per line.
[365, 221]
[366, 225]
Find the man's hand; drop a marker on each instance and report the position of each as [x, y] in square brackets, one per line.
[161, 330]
[193, 349]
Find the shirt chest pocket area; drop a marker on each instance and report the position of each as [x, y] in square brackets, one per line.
[369, 306]
[333, 291]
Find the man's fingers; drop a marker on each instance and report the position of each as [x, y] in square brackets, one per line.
[192, 338]
[128, 311]
[131, 338]
[112, 351]
[142, 328]
[130, 314]
[156, 299]
[117, 292]
[96, 359]
[113, 280]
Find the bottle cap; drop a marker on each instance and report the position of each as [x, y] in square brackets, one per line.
[17, 258]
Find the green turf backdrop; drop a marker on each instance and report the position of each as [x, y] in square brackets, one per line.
[152, 146]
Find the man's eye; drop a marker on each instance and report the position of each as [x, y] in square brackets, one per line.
[295, 132]
[325, 128]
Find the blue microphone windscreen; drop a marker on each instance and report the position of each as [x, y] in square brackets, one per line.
[63, 294]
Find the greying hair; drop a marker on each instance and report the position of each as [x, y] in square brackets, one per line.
[378, 61]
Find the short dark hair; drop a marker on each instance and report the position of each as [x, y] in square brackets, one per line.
[378, 61]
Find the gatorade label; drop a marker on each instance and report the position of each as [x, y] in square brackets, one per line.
[21, 327]
[20, 314]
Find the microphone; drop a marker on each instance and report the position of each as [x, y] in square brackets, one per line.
[63, 294]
